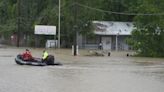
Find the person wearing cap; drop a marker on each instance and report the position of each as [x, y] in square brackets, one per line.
[27, 55]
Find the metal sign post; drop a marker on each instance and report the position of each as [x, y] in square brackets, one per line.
[59, 27]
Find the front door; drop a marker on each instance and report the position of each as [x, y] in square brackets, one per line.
[106, 43]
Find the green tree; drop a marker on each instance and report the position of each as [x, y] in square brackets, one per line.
[8, 17]
[148, 37]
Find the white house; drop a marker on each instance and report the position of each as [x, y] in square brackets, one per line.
[111, 34]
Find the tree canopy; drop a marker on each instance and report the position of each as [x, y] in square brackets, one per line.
[148, 37]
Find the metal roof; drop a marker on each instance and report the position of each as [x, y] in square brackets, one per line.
[113, 28]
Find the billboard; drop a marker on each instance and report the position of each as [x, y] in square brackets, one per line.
[45, 30]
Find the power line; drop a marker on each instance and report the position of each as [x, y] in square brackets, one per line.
[66, 6]
[119, 13]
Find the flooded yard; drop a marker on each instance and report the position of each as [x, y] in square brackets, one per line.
[116, 73]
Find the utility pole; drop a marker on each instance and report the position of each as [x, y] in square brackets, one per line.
[59, 27]
[75, 28]
[18, 21]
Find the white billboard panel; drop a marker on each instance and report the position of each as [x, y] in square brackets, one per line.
[45, 30]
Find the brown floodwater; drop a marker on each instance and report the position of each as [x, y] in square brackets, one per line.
[116, 73]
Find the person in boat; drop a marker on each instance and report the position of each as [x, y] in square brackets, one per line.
[26, 56]
[44, 56]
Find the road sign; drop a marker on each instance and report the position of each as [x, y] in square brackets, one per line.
[45, 30]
